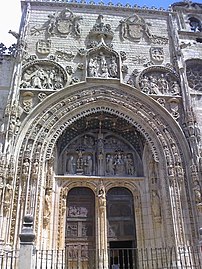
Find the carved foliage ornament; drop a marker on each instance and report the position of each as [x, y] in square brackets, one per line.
[60, 23]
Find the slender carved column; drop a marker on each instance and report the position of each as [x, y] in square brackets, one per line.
[102, 227]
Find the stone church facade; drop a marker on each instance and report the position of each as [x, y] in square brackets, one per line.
[101, 127]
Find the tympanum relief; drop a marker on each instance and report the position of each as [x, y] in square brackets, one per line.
[105, 160]
[88, 149]
[159, 83]
[43, 75]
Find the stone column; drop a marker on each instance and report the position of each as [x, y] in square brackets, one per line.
[27, 237]
[102, 228]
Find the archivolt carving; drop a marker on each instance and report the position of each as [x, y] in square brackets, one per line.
[72, 105]
[93, 100]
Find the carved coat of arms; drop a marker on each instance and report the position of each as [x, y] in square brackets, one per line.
[157, 54]
[133, 28]
[64, 22]
[43, 46]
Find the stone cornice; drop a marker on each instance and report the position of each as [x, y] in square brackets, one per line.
[98, 7]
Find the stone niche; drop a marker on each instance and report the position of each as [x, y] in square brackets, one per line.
[103, 62]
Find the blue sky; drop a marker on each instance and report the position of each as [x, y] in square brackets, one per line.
[10, 14]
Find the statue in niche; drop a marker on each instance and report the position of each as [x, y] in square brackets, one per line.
[71, 165]
[47, 206]
[80, 163]
[93, 67]
[197, 192]
[25, 167]
[156, 204]
[113, 70]
[8, 191]
[119, 165]
[110, 165]
[101, 196]
[35, 168]
[130, 170]
[103, 66]
[88, 165]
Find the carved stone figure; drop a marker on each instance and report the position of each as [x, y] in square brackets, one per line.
[8, 191]
[156, 204]
[153, 85]
[93, 67]
[119, 165]
[163, 84]
[144, 84]
[113, 69]
[110, 165]
[175, 88]
[25, 167]
[129, 165]
[47, 206]
[88, 165]
[35, 168]
[103, 66]
[71, 165]
[101, 196]
[197, 192]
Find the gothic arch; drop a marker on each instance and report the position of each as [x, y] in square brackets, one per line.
[45, 124]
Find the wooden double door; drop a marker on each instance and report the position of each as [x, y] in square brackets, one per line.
[82, 236]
